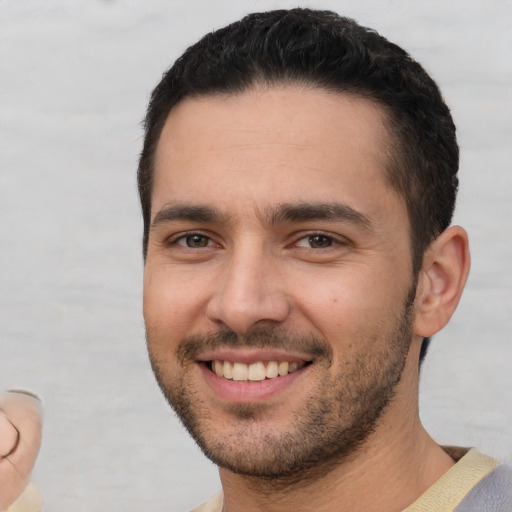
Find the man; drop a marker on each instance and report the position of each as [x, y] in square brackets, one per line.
[298, 179]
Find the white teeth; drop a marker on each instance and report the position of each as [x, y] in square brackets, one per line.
[283, 368]
[272, 369]
[218, 368]
[228, 370]
[240, 371]
[292, 367]
[255, 371]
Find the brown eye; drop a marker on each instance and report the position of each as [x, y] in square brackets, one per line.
[319, 241]
[196, 241]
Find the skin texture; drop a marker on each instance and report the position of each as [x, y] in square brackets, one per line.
[19, 412]
[276, 237]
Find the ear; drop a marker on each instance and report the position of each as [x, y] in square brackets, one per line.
[441, 280]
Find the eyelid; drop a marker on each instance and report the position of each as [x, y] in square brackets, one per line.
[337, 240]
[176, 237]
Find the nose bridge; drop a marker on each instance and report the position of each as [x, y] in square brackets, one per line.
[249, 291]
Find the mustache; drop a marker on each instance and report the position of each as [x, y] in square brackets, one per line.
[191, 346]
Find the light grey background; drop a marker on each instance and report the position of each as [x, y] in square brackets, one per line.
[74, 81]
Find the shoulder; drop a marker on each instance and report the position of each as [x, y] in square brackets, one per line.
[214, 504]
[468, 485]
[491, 494]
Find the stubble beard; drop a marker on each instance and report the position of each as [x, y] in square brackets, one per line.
[339, 414]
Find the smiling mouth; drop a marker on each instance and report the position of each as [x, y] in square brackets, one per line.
[254, 372]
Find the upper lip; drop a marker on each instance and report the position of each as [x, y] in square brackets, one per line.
[249, 356]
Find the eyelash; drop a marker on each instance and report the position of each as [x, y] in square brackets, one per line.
[184, 236]
[332, 240]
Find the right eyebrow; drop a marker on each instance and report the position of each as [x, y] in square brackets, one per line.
[193, 213]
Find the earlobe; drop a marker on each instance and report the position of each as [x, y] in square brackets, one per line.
[441, 281]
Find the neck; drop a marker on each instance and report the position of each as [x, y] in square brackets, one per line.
[396, 464]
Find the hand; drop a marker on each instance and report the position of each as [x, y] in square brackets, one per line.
[20, 439]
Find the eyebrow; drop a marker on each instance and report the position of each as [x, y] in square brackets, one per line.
[193, 213]
[317, 211]
[281, 214]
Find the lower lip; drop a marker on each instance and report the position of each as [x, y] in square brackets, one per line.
[249, 391]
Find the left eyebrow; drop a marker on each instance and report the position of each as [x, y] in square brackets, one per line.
[317, 211]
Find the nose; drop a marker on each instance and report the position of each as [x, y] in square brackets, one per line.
[250, 293]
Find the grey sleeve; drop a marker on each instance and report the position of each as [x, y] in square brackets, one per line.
[492, 494]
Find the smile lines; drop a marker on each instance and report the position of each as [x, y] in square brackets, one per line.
[255, 371]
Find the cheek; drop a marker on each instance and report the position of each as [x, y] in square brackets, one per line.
[346, 306]
[170, 305]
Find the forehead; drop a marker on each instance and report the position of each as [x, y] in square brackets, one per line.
[268, 145]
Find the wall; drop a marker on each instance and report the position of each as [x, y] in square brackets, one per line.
[74, 82]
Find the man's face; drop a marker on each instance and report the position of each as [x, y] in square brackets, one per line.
[278, 285]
